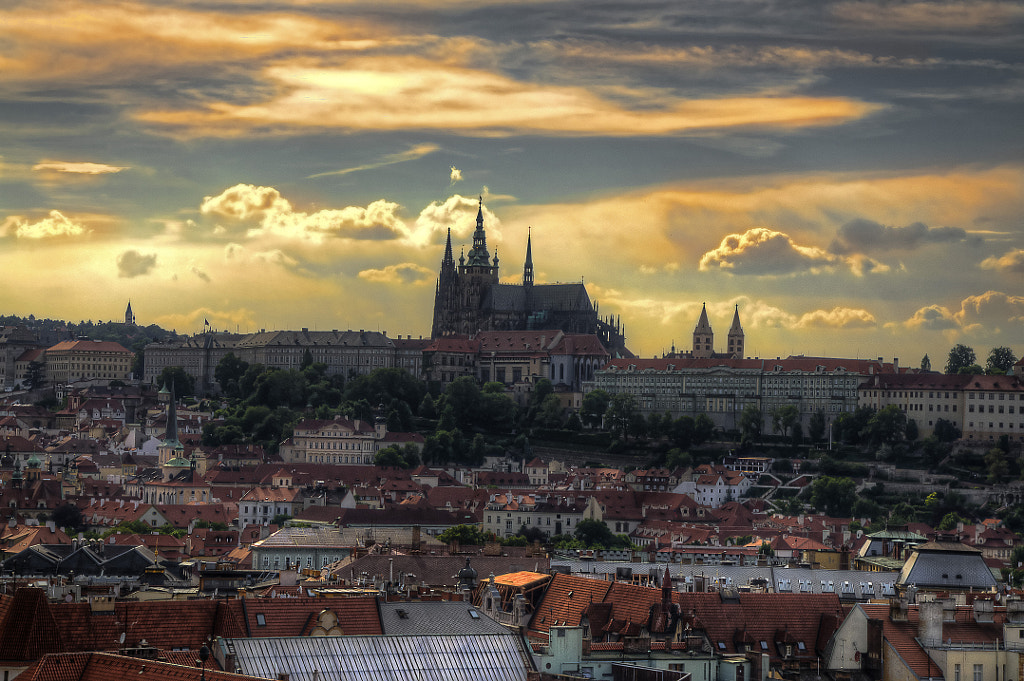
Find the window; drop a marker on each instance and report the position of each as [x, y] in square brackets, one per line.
[979, 672]
[261, 619]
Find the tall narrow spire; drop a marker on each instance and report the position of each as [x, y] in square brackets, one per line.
[129, 316]
[736, 336]
[703, 336]
[478, 255]
[171, 435]
[449, 259]
[528, 265]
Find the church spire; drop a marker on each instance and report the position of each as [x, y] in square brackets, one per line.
[703, 336]
[528, 265]
[449, 260]
[129, 316]
[736, 336]
[478, 255]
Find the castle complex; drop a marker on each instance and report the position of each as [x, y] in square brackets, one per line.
[470, 299]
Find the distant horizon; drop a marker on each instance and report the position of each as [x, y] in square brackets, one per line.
[937, 362]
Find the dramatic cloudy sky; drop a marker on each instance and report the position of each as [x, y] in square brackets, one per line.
[851, 173]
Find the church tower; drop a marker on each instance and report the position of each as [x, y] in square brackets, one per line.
[446, 296]
[703, 336]
[129, 316]
[476, 276]
[736, 336]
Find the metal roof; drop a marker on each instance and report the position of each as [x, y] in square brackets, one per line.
[495, 657]
[440, 618]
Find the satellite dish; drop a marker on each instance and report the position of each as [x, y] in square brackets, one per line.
[120, 639]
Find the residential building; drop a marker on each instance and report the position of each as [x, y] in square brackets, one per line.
[260, 505]
[15, 341]
[552, 513]
[342, 441]
[984, 408]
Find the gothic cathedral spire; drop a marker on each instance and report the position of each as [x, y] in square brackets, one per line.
[478, 254]
[528, 265]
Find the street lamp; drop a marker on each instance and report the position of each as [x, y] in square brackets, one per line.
[204, 655]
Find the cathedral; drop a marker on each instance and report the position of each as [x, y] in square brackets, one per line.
[469, 299]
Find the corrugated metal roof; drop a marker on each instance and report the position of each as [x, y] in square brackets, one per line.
[379, 658]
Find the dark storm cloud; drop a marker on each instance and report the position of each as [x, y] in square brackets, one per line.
[132, 264]
[867, 236]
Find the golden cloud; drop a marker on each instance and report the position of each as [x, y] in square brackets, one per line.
[56, 225]
[837, 318]
[924, 16]
[762, 251]
[1008, 262]
[416, 93]
[77, 167]
[404, 273]
[244, 201]
[78, 40]
[983, 314]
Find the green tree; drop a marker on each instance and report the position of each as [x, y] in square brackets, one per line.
[391, 456]
[36, 374]
[926, 363]
[796, 435]
[465, 535]
[888, 425]
[596, 535]
[280, 388]
[816, 427]
[549, 413]
[960, 357]
[997, 467]
[682, 432]
[911, 431]
[784, 417]
[177, 377]
[381, 386]
[229, 372]
[595, 405]
[946, 431]
[703, 428]
[677, 458]
[751, 422]
[834, 496]
[69, 517]
[428, 409]
[620, 410]
[463, 396]
[1000, 360]
[949, 521]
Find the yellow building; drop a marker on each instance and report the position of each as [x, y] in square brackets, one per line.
[87, 359]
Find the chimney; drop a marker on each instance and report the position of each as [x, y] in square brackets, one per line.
[929, 625]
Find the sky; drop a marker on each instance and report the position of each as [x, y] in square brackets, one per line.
[850, 174]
